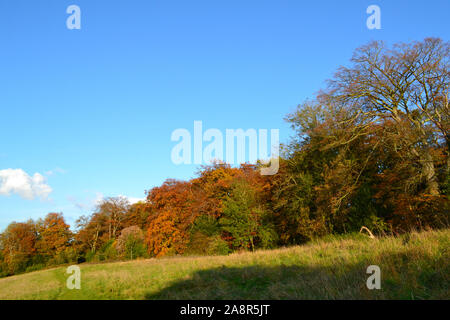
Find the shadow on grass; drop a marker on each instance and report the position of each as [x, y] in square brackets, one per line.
[262, 282]
[401, 279]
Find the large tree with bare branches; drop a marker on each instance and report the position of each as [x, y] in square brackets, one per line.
[374, 143]
[408, 84]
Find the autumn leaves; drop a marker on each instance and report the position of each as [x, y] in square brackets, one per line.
[372, 150]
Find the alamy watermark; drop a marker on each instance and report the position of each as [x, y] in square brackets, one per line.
[74, 20]
[374, 20]
[190, 148]
[74, 280]
[374, 281]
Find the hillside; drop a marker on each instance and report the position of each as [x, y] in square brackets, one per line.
[416, 266]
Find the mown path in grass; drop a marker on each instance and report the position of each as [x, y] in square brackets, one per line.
[327, 269]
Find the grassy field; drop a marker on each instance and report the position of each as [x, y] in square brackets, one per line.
[416, 266]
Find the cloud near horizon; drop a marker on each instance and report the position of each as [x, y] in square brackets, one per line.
[90, 203]
[17, 181]
[133, 200]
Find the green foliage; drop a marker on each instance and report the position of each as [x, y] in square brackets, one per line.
[218, 246]
[296, 216]
[205, 237]
[107, 251]
[90, 256]
[246, 220]
[68, 255]
[202, 244]
[206, 224]
[131, 243]
[365, 212]
[134, 248]
[446, 185]
[3, 269]
[35, 267]
[18, 263]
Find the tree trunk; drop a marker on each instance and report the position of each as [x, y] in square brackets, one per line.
[430, 176]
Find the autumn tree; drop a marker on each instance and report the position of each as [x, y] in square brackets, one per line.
[137, 215]
[170, 218]
[211, 187]
[131, 242]
[115, 210]
[92, 232]
[381, 121]
[54, 235]
[19, 245]
[408, 84]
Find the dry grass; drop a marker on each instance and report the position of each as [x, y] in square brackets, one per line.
[325, 269]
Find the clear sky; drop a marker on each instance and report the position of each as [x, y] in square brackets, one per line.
[89, 113]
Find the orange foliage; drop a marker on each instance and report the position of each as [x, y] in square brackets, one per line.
[55, 235]
[170, 218]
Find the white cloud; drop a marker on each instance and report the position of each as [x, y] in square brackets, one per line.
[133, 200]
[89, 203]
[55, 171]
[19, 182]
[98, 198]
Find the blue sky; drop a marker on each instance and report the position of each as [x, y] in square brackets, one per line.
[90, 112]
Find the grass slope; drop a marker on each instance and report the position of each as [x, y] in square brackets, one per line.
[413, 267]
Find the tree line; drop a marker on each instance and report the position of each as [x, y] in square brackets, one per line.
[371, 149]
